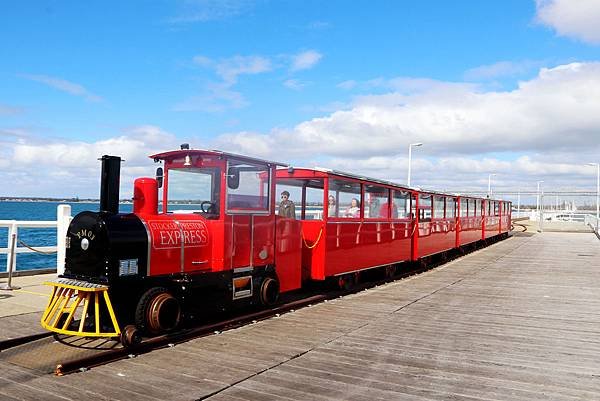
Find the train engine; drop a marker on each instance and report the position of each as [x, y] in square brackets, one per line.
[213, 242]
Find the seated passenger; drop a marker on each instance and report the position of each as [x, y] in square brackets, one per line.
[286, 206]
[354, 209]
[331, 207]
[373, 207]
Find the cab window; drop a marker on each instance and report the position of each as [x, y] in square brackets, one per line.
[193, 190]
[247, 187]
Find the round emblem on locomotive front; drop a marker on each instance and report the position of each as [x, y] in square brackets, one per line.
[85, 243]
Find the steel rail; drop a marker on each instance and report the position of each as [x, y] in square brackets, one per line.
[162, 341]
[14, 342]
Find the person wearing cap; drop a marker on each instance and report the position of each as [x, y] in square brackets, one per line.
[286, 206]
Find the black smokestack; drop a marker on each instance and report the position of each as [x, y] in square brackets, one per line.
[109, 184]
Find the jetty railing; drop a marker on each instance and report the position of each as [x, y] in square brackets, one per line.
[63, 218]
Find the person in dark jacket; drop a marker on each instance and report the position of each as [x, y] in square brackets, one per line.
[286, 206]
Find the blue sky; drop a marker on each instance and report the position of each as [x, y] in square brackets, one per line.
[237, 74]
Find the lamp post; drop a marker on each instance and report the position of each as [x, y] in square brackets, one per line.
[597, 189]
[490, 184]
[540, 209]
[410, 158]
[537, 205]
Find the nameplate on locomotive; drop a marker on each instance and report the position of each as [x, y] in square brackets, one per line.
[170, 234]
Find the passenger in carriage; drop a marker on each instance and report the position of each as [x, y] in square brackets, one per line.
[286, 206]
[373, 206]
[354, 209]
[331, 207]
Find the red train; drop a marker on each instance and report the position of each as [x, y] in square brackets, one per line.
[223, 236]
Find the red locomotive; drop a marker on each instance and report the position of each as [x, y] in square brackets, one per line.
[222, 236]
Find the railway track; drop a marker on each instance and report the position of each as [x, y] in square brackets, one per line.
[109, 350]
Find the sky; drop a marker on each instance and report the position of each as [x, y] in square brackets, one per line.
[508, 87]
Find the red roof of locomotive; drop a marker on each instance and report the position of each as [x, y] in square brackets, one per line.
[172, 154]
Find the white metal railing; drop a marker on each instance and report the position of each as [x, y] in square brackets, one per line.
[593, 222]
[63, 218]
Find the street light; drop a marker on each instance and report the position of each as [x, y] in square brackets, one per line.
[597, 189]
[409, 159]
[537, 207]
[540, 211]
[490, 184]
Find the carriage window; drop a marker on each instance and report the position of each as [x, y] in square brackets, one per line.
[376, 202]
[478, 208]
[496, 208]
[450, 208]
[306, 194]
[438, 207]
[425, 203]
[400, 205]
[247, 187]
[472, 207]
[464, 204]
[346, 195]
[193, 190]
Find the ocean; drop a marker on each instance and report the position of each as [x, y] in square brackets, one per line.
[37, 236]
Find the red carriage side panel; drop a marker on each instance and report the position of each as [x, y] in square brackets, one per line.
[314, 234]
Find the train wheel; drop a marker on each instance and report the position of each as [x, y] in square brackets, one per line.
[389, 271]
[158, 311]
[130, 336]
[269, 291]
[347, 281]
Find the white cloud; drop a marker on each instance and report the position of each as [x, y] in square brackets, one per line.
[71, 168]
[217, 98]
[230, 68]
[553, 117]
[294, 84]
[347, 85]
[305, 60]
[220, 96]
[556, 108]
[64, 86]
[573, 18]
[501, 69]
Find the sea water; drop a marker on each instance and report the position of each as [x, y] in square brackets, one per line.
[37, 237]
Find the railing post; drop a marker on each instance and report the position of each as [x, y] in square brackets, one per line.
[10, 255]
[63, 219]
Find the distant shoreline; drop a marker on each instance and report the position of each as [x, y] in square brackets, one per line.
[65, 200]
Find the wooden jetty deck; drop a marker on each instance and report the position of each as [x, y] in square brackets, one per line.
[517, 320]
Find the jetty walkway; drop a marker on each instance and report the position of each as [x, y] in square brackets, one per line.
[517, 320]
